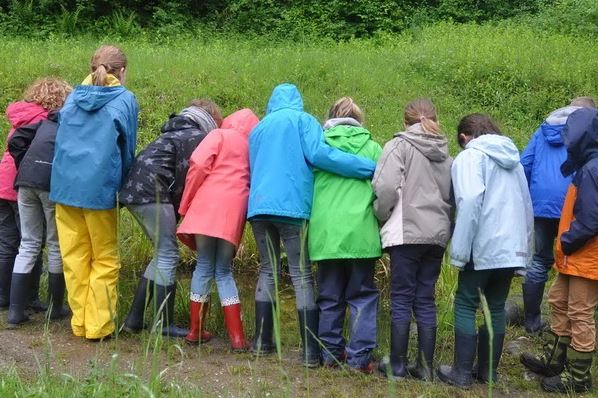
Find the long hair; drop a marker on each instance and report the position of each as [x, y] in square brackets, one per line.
[422, 111]
[106, 60]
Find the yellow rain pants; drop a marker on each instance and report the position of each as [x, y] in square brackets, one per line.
[89, 248]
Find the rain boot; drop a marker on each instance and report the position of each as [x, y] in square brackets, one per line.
[308, 328]
[552, 361]
[35, 304]
[234, 326]
[143, 295]
[197, 318]
[164, 302]
[481, 372]
[395, 366]
[459, 374]
[56, 288]
[5, 281]
[576, 377]
[264, 326]
[426, 341]
[20, 292]
[532, 300]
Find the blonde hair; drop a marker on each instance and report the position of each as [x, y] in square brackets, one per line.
[584, 102]
[210, 107]
[345, 107]
[422, 111]
[49, 92]
[107, 60]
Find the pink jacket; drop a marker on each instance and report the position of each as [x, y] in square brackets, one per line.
[18, 114]
[214, 202]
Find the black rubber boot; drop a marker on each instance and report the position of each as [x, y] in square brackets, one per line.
[575, 378]
[35, 304]
[481, 372]
[459, 374]
[164, 303]
[395, 367]
[5, 280]
[552, 360]
[308, 328]
[532, 300]
[56, 288]
[426, 342]
[264, 325]
[20, 292]
[143, 295]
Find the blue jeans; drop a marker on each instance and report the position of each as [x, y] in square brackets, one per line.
[268, 235]
[545, 232]
[158, 221]
[37, 213]
[214, 258]
[342, 284]
[414, 272]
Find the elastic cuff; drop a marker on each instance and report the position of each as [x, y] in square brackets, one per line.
[199, 298]
[230, 301]
[458, 264]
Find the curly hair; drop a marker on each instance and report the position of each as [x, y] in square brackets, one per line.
[49, 92]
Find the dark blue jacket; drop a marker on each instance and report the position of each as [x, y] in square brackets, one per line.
[542, 159]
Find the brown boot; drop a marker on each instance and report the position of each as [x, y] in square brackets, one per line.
[197, 318]
[234, 325]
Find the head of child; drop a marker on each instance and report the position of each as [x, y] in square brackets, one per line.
[584, 102]
[475, 125]
[345, 108]
[210, 107]
[48, 92]
[422, 111]
[108, 60]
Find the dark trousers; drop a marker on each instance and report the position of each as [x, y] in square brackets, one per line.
[545, 232]
[10, 236]
[414, 272]
[494, 284]
[342, 284]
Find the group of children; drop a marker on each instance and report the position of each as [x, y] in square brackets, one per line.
[330, 195]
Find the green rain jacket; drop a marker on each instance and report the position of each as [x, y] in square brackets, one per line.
[342, 223]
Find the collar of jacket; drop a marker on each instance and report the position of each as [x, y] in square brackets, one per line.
[348, 121]
[111, 81]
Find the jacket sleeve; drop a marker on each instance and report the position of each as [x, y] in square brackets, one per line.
[528, 156]
[585, 211]
[200, 166]
[181, 168]
[469, 188]
[127, 137]
[388, 180]
[325, 157]
[21, 140]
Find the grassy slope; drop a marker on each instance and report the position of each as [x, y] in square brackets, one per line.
[508, 71]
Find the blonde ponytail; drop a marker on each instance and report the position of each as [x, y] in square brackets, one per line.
[422, 111]
[107, 60]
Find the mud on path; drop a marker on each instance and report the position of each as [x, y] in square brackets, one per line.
[211, 368]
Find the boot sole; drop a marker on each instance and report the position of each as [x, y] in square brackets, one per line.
[574, 389]
[445, 379]
[537, 370]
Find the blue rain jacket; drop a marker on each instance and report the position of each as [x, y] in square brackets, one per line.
[495, 221]
[542, 159]
[95, 146]
[283, 148]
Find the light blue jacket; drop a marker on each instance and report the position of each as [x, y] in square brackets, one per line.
[95, 146]
[283, 147]
[495, 219]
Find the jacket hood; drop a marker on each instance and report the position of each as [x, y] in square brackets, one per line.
[91, 98]
[432, 146]
[554, 123]
[283, 96]
[499, 148]
[348, 138]
[243, 121]
[177, 123]
[580, 136]
[22, 113]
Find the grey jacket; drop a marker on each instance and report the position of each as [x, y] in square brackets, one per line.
[412, 183]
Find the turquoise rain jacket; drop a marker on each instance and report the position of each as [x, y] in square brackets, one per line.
[283, 148]
[95, 146]
[495, 219]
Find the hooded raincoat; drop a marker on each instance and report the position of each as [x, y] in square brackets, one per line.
[342, 223]
[577, 242]
[95, 146]
[214, 201]
[542, 159]
[495, 220]
[19, 114]
[283, 147]
[413, 188]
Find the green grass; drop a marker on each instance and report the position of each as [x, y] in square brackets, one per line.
[516, 74]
